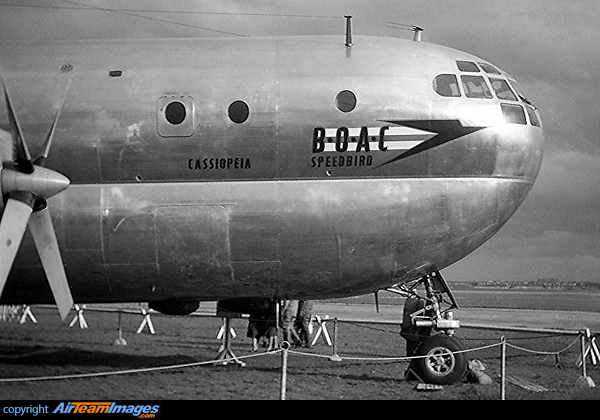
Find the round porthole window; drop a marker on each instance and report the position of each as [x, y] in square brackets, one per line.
[345, 101]
[239, 112]
[175, 113]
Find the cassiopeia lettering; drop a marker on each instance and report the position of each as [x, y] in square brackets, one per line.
[224, 163]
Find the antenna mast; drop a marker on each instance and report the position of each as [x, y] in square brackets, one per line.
[348, 31]
[418, 31]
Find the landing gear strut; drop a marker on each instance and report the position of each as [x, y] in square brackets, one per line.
[441, 360]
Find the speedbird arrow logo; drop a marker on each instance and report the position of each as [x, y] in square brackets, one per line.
[447, 130]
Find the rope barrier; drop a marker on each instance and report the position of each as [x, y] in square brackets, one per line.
[132, 371]
[195, 364]
[301, 353]
[547, 353]
[357, 324]
[537, 337]
[392, 359]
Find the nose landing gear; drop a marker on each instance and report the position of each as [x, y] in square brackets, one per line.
[440, 360]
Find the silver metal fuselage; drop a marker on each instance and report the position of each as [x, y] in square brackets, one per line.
[211, 209]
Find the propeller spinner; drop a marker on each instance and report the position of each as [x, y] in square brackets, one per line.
[27, 184]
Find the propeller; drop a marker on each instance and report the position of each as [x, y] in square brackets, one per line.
[27, 184]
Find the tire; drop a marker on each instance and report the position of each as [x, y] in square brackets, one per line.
[440, 364]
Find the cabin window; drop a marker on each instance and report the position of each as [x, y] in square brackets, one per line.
[175, 116]
[345, 101]
[476, 87]
[503, 90]
[467, 66]
[239, 112]
[488, 68]
[175, 112]
[513, 114]
[446, 85]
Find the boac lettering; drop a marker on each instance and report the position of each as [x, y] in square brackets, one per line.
[343, 139]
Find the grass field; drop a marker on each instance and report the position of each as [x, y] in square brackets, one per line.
[50, 348]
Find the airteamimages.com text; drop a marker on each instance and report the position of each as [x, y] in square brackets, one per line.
[66, 408]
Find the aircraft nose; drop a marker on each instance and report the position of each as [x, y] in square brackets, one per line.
[507, 124]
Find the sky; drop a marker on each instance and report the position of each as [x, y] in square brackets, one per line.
[551, 47]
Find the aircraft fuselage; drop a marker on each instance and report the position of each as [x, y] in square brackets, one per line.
[276, 167]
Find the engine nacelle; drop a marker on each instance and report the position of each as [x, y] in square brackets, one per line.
[175, 307]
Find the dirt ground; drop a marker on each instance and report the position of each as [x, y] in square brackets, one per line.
[50, 348]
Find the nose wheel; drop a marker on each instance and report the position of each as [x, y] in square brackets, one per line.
[440, 360]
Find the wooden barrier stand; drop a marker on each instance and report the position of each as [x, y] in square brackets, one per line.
[146, 321]
[79, 317]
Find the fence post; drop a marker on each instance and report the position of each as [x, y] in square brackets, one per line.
[120, 341]
[335, 357]
[503, 369]
[583, 367]
[284, 358]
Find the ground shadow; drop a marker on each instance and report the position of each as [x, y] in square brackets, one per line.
[66, 356]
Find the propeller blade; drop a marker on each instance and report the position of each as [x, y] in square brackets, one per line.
[23, 156]
[23, 184]
[1, 196]
[44, 237]
[41, 159]
[12, 228]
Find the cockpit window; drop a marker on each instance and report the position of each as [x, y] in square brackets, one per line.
[520, 93]
[467, 66]
[476, 87]
[533, 117]
[446, 85]
[513, 114]
[503, 90]
[488, 68]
